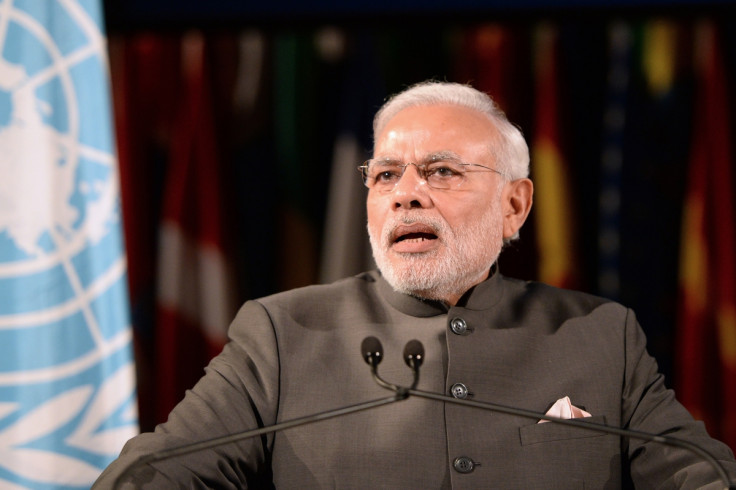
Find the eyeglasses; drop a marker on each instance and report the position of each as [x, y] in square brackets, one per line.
[382, 175]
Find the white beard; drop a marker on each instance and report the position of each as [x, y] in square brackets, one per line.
[467, 255]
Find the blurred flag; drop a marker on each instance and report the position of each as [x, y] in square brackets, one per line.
[67, 382]
[492, 57]
[620, 43]
[146, 91]
[294, 149]
[706, 357]
[652, 179]
[659, 56]
[554, 217]
[345, 247]
[195, 296]
[488, 61]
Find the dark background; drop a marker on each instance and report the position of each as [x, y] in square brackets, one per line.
[274, 156]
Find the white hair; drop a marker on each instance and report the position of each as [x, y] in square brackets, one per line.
[511, 152]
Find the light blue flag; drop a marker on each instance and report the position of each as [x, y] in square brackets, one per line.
[67, 381]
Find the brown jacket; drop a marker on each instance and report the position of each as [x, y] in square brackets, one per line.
[525, 345]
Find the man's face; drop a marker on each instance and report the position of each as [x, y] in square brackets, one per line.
[433, 243]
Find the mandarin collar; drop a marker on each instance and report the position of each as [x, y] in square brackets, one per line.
[480, 297]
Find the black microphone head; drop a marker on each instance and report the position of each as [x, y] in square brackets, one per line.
[413, 354]
[372, 351]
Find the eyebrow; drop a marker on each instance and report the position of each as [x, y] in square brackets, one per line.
[387, 160]
[442, 155]
[428, 158]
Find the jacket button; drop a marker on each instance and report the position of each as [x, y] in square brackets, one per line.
[458, 326]
[463, 464]
[459, 390]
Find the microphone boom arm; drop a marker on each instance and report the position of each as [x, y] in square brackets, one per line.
[147, 459]
[414, 355]
[583, 424]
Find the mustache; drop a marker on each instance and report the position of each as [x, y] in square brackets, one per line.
[439, 227]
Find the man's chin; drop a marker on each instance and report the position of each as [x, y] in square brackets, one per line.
[415, 267]
[416, 279]
[431, 279]
[412, 289]
[411, 259]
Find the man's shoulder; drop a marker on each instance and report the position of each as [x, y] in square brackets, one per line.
[534, 294]
[350, 287]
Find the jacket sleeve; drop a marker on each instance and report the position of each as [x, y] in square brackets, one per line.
[238, 392]
[648, 406]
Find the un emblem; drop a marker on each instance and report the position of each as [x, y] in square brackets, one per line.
[67, 391]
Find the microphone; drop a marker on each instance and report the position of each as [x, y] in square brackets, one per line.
[373, 354]
[372, 351]
[414, 355]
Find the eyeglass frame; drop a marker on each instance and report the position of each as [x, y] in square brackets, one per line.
[422, 168]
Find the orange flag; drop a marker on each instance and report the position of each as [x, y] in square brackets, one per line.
[554, 218]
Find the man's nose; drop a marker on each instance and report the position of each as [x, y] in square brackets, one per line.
[411, 190]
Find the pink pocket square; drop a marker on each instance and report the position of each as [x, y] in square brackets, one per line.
[564, 409]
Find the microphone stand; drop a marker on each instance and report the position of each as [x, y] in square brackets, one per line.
[372, 354]
[164, 454]
[414, 355]
[582, 424]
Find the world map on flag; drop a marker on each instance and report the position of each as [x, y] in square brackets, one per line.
[67, 381]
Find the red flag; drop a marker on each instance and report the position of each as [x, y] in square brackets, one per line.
[488, 62]
[706, 368]
[493, 59]
[195, 296]
[145, 78]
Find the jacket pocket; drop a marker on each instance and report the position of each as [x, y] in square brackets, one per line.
[551, 431]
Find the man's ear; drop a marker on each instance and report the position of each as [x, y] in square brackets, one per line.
[517, 202]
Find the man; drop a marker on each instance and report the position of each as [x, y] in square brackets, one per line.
[447, 187]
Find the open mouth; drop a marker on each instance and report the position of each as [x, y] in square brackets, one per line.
[415, 237]
[413, 233]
